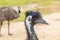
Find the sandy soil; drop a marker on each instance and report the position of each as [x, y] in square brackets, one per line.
[44, 32]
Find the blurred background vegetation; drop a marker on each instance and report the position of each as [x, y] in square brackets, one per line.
[45, 6]
[26, 2]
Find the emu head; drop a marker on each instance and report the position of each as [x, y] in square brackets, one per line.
[19, 9]
[35, 17]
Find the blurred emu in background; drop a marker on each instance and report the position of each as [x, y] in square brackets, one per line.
[7, 13]
[32, 18]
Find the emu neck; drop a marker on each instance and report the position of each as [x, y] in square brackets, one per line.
[30, 30]
[28, 23]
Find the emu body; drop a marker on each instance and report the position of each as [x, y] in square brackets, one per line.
[7, 13]
[32, 18]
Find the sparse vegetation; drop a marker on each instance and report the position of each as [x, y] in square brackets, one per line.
[25, 2]
[43, 3]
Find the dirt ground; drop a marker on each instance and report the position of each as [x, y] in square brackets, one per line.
[44, 32]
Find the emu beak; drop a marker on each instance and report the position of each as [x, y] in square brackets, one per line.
[40, 20]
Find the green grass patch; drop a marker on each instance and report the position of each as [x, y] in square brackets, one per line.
[44, 12]
[26, 2]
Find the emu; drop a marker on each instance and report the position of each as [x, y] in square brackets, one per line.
[32, 18]
[7, 13]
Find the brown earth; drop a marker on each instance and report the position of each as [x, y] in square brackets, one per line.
[44, 32]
